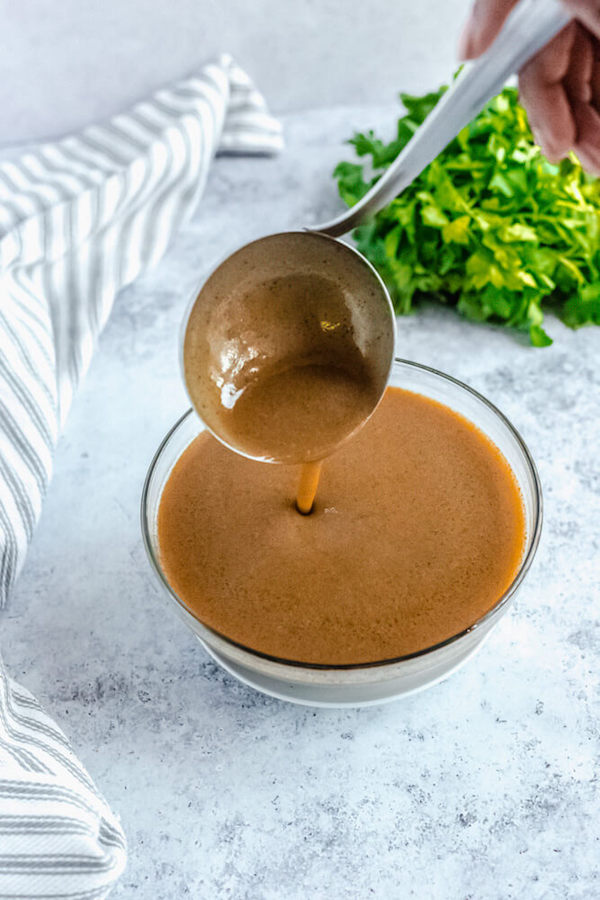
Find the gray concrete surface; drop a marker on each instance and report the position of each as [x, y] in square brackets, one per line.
[64, 65]
[484, 787]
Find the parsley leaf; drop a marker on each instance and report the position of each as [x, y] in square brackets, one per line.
[490, 226]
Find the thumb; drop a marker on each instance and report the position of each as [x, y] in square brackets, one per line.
[485, 21]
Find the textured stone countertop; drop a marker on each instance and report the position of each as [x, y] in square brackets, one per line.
[486, 786]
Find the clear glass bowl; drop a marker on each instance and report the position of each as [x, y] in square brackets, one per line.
[404, 674]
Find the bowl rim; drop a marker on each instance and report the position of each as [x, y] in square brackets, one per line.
[501, 603]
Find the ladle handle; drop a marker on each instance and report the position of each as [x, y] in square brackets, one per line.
[528, 28]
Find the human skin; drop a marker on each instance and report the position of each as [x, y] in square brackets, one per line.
[560, 86]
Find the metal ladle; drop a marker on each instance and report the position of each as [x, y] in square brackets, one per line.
[232, 345]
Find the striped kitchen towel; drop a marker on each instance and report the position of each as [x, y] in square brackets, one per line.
[58, 837]
[79, 219]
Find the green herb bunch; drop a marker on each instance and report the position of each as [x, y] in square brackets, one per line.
[489, 226]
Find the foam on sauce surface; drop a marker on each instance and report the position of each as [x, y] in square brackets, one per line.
[417, 530]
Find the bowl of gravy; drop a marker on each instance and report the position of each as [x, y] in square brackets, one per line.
[423, 529]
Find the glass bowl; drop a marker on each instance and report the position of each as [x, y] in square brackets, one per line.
[363, 683]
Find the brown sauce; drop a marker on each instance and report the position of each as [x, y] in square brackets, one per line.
[417, 530]
[308, 484]
[287, 348]
[301, 411]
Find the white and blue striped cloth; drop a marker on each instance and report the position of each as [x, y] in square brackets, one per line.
[79, 219]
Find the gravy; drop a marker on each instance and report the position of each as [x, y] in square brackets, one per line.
[417, 531]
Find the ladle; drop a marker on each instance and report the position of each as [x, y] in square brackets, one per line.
[303, 299]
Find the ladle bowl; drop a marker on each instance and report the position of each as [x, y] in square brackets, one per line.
[287, 302]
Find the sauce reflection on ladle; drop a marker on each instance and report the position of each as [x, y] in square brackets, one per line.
[287, 350]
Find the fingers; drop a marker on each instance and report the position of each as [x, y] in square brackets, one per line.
[577, 81]
[560, 86]
[582, 83]
[485, 21]
[544, 95]
[585, 108]
[595, 79]
[587, 147]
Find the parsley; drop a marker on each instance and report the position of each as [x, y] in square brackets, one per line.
[490, 226]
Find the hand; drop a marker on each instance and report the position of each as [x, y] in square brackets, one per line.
[560, 86]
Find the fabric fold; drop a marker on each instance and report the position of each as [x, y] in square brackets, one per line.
[80, 218]
[58, 836]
